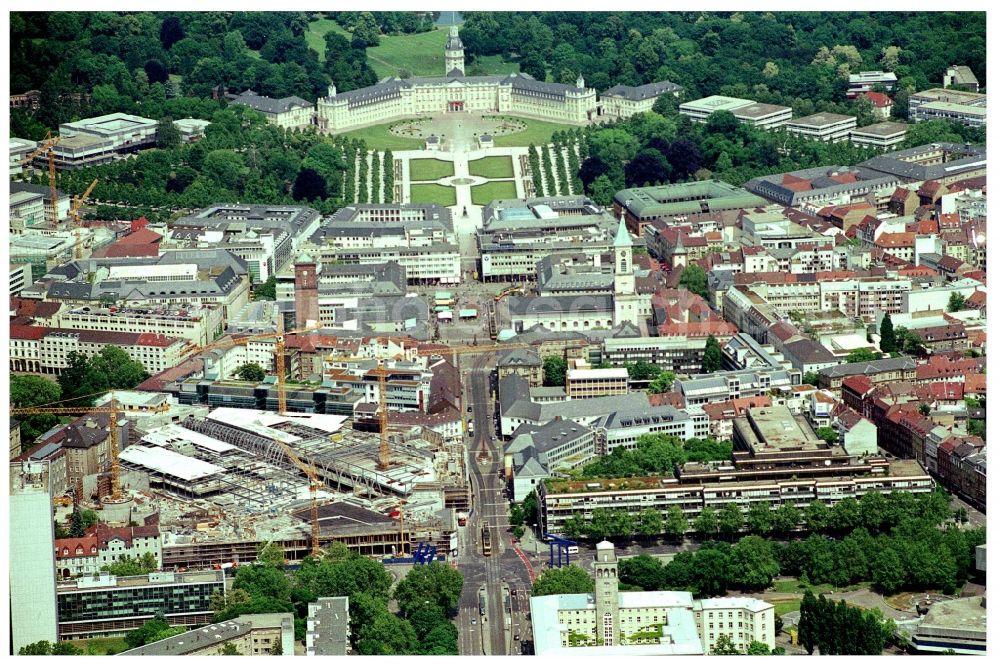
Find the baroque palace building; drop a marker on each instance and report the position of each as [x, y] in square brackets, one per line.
[515, 94]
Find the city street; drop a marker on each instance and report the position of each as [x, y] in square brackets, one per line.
[489, 508]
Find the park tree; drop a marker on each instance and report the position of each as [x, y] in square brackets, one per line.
[32, 391]
[711, 570]
[554, 368]
[760, 519]
[828, 435]
[695, 280]
[229, 649]
[711, 361]
[250, 372]
[271, 554]
[167, 134]
[570, 579]
[435, 582]
[754, 563]
[730, 520]
[262, 581]
[706, 524]
[956, 302]
[664, 382]
[676, 524]
[756, 648]
[724, 646]
[887, 336]
[267, 290]
[643, 570]
[309, 186]
[816, 516]
[650, 523]
[36, 649]
[641, 370]
[862, 355]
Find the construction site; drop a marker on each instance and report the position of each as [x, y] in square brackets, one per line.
[225, 483]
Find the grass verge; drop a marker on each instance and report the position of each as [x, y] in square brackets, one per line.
[494, 189]
[427, 193]
[496, 166]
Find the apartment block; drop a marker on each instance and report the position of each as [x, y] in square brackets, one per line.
[827, 127]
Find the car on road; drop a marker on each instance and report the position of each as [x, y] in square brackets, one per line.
[517, 637]
[469, 410]
[473, 620]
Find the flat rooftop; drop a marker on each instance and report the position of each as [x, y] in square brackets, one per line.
[821, 120]
[777, 428]
[758, 110]
[952, 106]
[715, 103]
[881, 129]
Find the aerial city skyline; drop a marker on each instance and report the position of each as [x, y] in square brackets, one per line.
[497, 333]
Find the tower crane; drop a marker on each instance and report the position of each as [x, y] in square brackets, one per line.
[46, 147]
[74, 213]
[114, 410]
[314, 484]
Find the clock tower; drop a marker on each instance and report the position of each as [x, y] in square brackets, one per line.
[606, 594]
[626, 300]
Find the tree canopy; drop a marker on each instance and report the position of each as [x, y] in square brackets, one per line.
[570, 579]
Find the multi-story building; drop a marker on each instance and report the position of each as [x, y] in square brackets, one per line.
[191, 129]
[50, 357]
[880, 135]
[265, 237]
[328, 627]
[216, 278]
[641, 205]
[863, 82]
[102, 545]
[106, 605]
[197, 324]
[97, 140]
[60, 209]
[583, 381]
[879, 371]
[613, 623]
[27, 211]
[968, 108]
[561, 499]
[723, 386]
[681, 354]
[251, 635]
[420, 238]
[700, 109]
[288, 112]
[20, 277]
[30, 543]
[623, 101]
[19, 150]
[518, 234]
[827, 127]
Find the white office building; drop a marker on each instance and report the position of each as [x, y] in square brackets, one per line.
[32, 556]
[612, 623]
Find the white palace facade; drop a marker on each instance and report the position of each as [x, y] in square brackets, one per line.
[516, 94]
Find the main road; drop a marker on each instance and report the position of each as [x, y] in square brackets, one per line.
[489, 509]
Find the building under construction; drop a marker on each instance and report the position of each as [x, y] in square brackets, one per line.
[224, 485]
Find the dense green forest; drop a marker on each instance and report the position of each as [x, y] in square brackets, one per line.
[166, 65]
[91, 63]
[793, 54]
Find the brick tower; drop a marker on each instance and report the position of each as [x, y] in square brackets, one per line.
[306, 292]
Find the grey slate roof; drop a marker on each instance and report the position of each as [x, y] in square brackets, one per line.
[17, 186]
[639, 93]
[538, 305]
[870, 367]
[269, 104]
[519, 358]
[893, 163]
[329, 618]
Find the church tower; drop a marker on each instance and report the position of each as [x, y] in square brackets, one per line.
[626, 300]
[454, 53]
[606, 594]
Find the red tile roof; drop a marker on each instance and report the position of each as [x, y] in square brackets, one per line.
[19, 332]
[65, 549]
[858, 384]
[141, 237]
[879, 100]
[900, 239]
[29, 307]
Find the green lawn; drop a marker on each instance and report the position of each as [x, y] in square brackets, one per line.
[498, 166]
[782, 607]
[538, 132]
[378, 137]
[432, 193]
[422, 53]
[793, 587]
[318, 28]
[430, 169]
[100, 646]
[494, 189]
